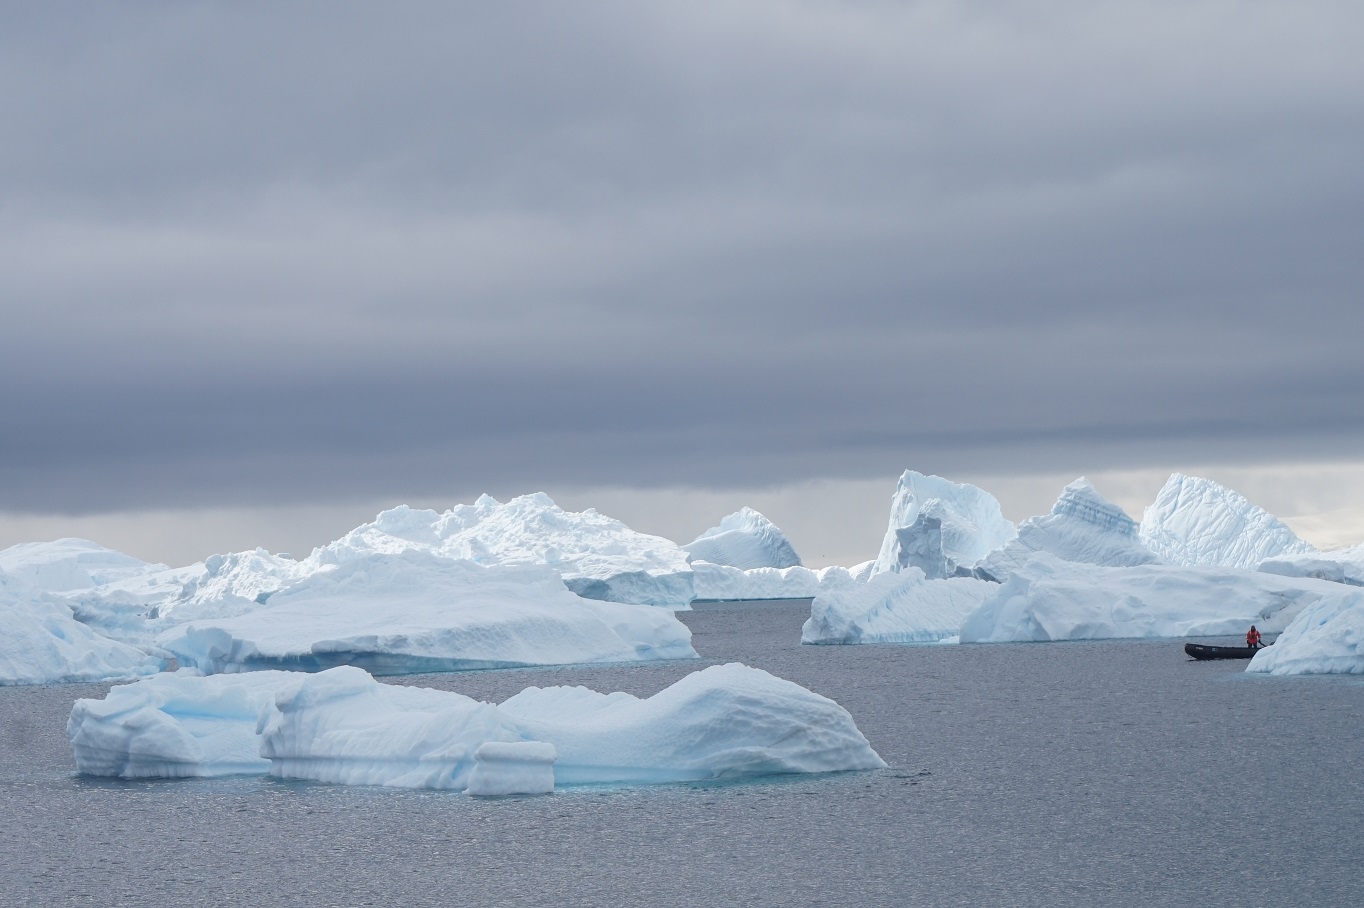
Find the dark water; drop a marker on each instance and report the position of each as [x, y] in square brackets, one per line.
[1031, 774]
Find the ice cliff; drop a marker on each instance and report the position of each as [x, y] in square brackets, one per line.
[904, 607]
[941, 527]
[1195, 521]
[1327, 637]
[745, 540]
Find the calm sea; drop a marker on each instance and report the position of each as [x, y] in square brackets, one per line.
[1030, 774]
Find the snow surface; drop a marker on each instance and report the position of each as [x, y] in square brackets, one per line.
[1083, 527]
[71, 564]
[941, 527]
[1195, 521]
[745, 540]
[1341, 566]
[724, 722]
[895, 608]
[1327, 637]
[721, 582]
[414, 612]
[41, 642]
[1051, 599]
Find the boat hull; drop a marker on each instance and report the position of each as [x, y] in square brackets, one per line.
[1208, 651]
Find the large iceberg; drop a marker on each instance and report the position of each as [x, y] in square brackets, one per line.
[1083, 527]
[1327, 637]
[1195, 521]
[42, 642]
[64, 565]
[1051, 599]
[745, 540]
[895, 608]
[721, 582]
[941, 527]
[342, 726]
[412, 612]
[598, 557]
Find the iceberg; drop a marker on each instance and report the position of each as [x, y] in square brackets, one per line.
[598, 557]
[175, 725]
[1195, 521]
[1083, 527]
[721, 582]
[1327, 637]
[745, 540]
[895, 608]
[43, 643]
[1341, 566]
[1051, 599]
[941, 527]
[413, 612]
[64, 565]
[724, 722]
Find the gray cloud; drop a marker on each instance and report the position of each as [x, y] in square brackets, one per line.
[258, 255]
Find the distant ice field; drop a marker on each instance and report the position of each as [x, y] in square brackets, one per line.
[1116, 772]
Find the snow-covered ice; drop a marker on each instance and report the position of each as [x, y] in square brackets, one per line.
[1083, 527]
[1341, 566]
[42, 643]
[895, 608]
[70, 564]
[1195, 521]
[414, 612]
[1051, 599]
[512, 768]
[175, 725]
[718, 581]
[723, 722]
[746, 540]
[941, 527]
[1327, 637]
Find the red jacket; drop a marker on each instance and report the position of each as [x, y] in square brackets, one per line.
[1252, 637]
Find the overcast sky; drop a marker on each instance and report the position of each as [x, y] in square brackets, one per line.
[288, 259]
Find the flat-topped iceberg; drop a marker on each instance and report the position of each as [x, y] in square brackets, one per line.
[342, 726]
[1195, 521]
[745, 540]
[42, 643]
[64, 565]
[1341, 566]
[1327, 637]
[1083, 527]
[894, 608]
[940, 527]
[598, 557]
[412, 612]
[1051, 599]
[721, 582]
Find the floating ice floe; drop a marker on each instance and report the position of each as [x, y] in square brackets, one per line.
[895, 608]
[1327, 637]
[42, 643]
[1083, 527]
[745, 540]
[1341, 566]
[412, 612]
[941, 527]
[721, 582]
[344, 727]
[1195, 521]
[1051, 599]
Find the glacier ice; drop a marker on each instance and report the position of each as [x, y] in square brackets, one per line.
[412, 612]
[941, 527]
[1327, 637]
[344, 727]
[745, 540]
[1083, 527]
[1051, 599]
[904, 607]
[721, 582]
[175, 725]
[1195, 521]
[70, 564]
[1340, 566]
[43, 643]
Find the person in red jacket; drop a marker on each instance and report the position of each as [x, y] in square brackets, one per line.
[1253, 638]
